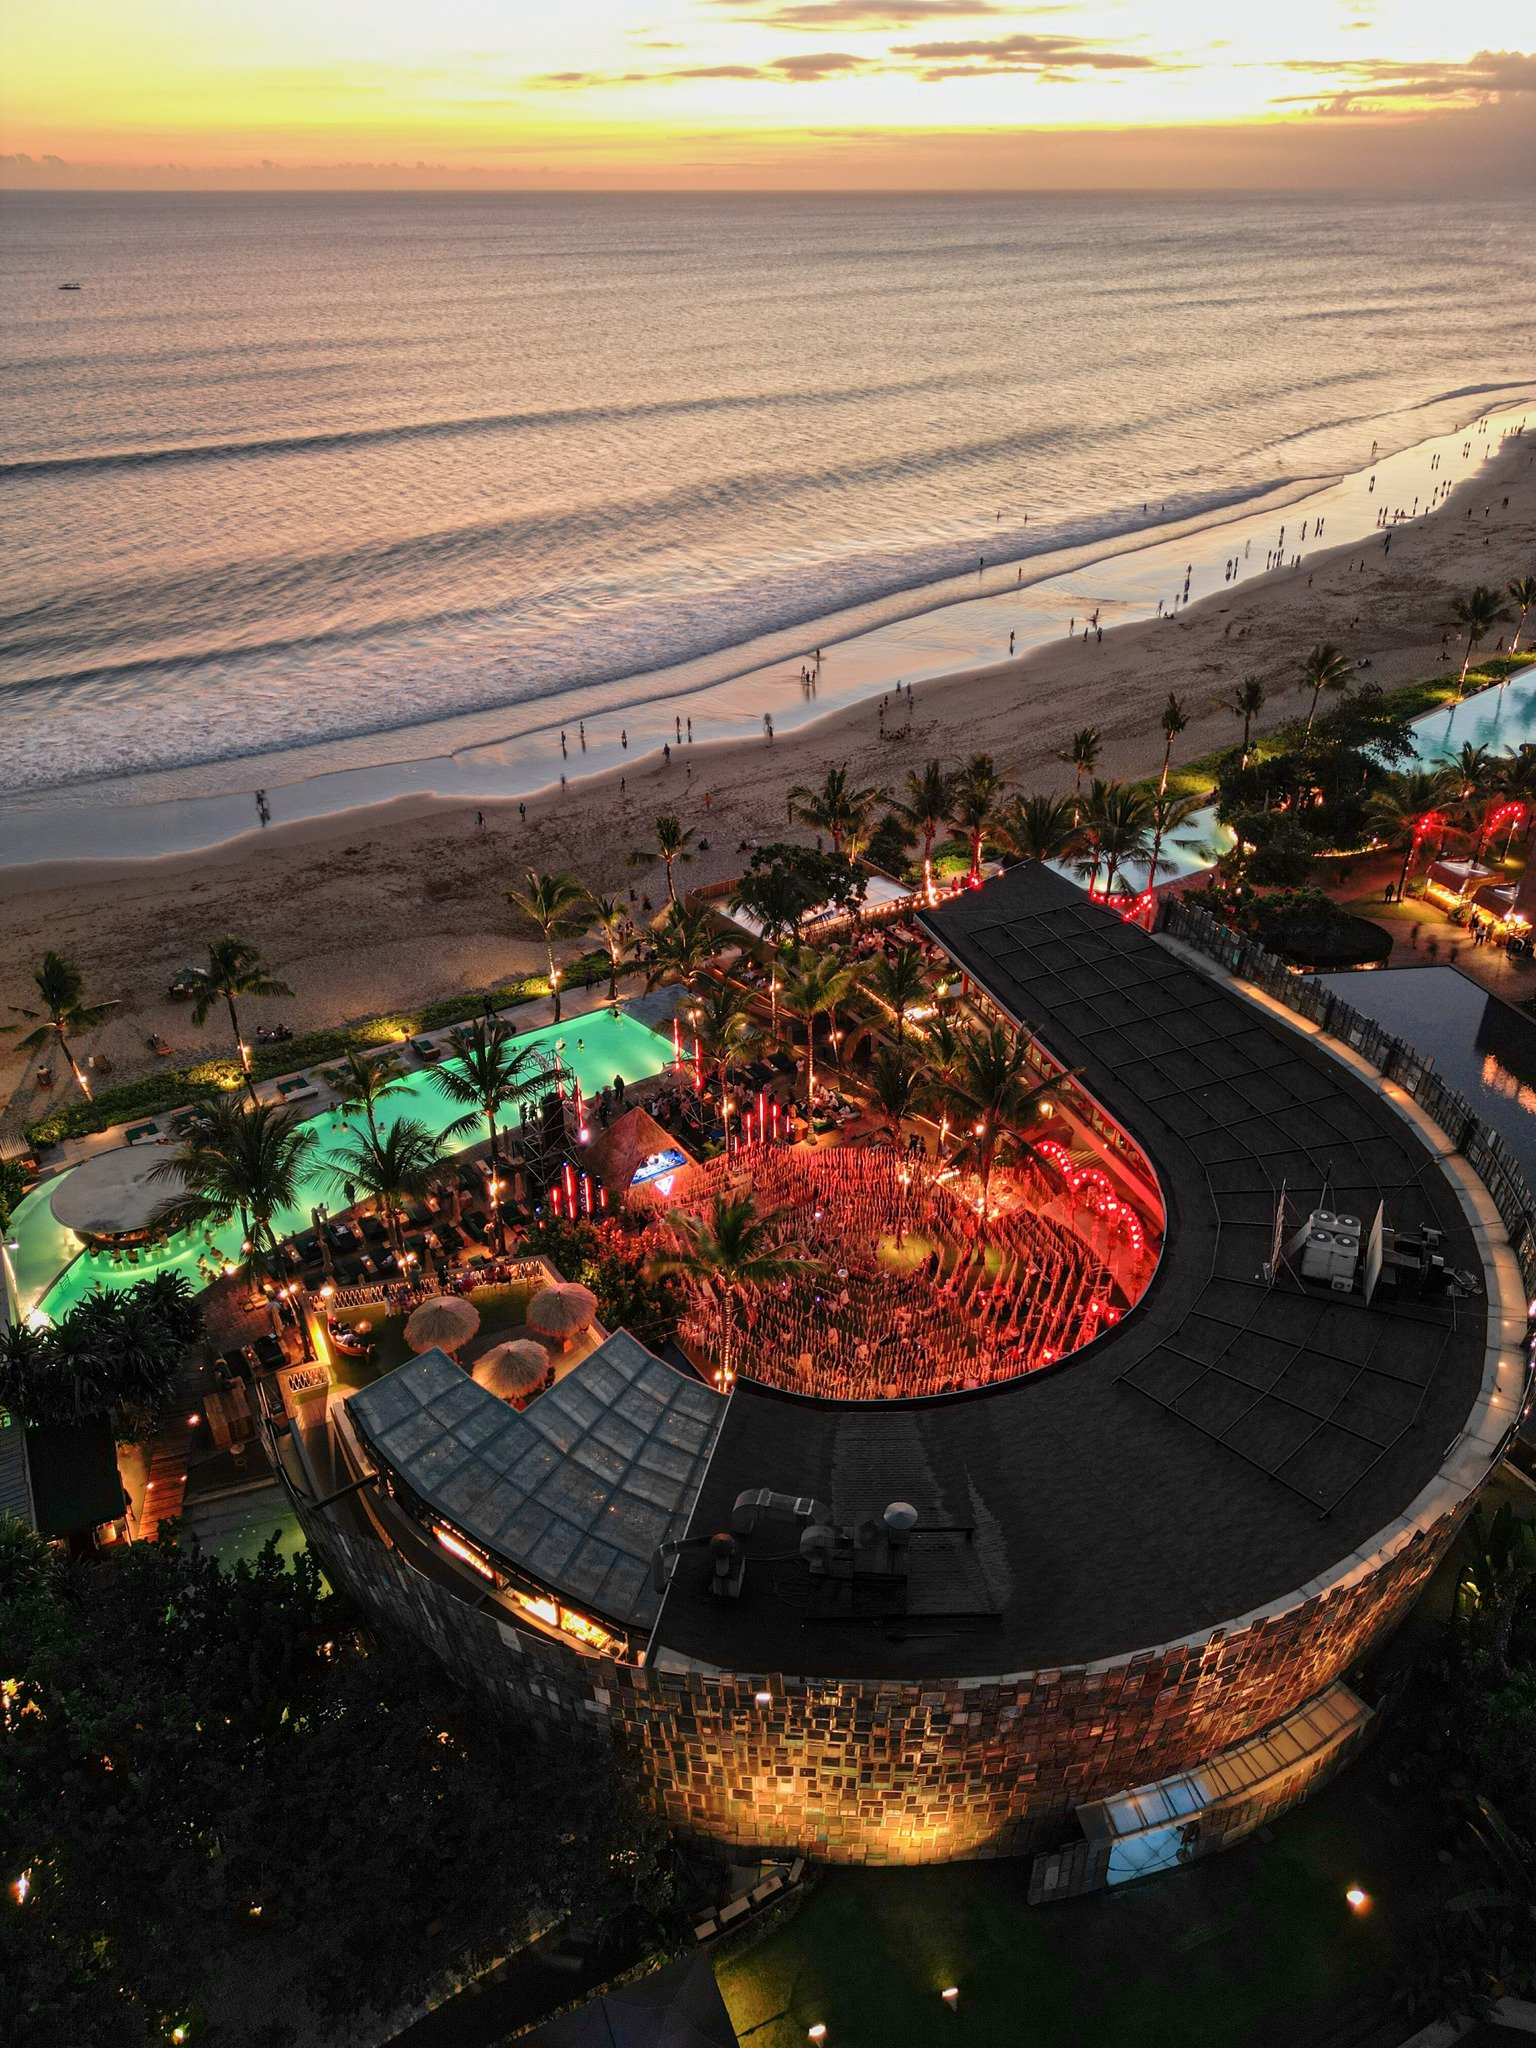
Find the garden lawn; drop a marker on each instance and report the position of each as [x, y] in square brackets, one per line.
[503, 1314]
[1256, 1947]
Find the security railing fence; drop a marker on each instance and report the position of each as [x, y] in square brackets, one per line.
[1483, 1149]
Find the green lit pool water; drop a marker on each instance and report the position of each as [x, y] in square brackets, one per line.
[53, 1271]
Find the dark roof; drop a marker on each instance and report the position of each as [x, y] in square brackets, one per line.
[1223, 1445]
[676, 2007]
[577, 1489]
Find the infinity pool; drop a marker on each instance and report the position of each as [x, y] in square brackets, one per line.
[54, 1271]
[1501, 717]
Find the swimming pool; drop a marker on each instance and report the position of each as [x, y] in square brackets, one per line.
[54, 1271]
[1501, 717]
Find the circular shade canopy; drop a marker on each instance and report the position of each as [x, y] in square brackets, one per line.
[111, 1198]
[446, 1322]
[512, 1370]
[563, 1310]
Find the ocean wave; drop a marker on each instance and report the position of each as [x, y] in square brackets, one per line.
[335, 439]
[403, 684]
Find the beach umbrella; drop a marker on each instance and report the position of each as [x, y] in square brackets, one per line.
[444, 1323]
[513, 1370]
[562, 1312]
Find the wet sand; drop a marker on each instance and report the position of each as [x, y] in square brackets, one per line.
[397, 904]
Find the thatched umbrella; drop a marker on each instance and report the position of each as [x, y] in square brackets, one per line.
[513, 1370]
[445, 1322]
[560, 1313]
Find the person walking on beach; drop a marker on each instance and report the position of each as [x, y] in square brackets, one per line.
[581, 727]
[1010, 643]
[666, 754]
[690, 732]
[562, 746]
[624, 738]
[522, 812]
[479, 821]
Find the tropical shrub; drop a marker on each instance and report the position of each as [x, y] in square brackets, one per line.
[612, 1256]
[174, 1087]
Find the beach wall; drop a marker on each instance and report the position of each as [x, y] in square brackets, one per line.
[881, 1771]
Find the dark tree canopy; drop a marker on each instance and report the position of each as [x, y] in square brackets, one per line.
[786, 882]
[117, 1353]
[214, 1781]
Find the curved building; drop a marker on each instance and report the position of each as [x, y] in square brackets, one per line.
[1108, 1609]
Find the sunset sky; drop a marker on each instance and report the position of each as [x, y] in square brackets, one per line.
[493, 93]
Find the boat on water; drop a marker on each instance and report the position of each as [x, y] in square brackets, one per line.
[70, 287]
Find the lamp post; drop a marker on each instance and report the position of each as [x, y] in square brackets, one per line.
[299, 1297]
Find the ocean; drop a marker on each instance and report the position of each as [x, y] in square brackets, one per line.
[292, 473]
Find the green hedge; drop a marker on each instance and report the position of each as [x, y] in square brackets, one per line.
[173, 1086]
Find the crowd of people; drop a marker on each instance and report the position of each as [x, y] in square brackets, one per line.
[909, 1292]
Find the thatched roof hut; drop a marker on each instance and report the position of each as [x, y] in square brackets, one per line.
[560, 1313]
[443, 1323]
[514, 1370]
[630, 1141]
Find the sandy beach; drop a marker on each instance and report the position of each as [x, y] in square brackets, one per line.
[402, 903]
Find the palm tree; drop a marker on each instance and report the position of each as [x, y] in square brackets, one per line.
[1325, 668]
[1523, 590]
[898, 982]
[1169, 814]
[674, 842]
[1082, 757]
[1408, 808]
[486, 1072]
[774, 897]
[836, 807]
[1473, 769]
[941, 1047]
[365, 1083]
[1475, 613]
[400, 1166]
[1173, 721]
[733, 1252]
[815, 984]
[235, 968]
[1497, 1578]
[1520, 788]
[610, 914]
[1088, 827]
[1117, 820]
[973, 807]
[1245, 702]
[899, 1087]
[61, 986]
[1495, 785]
[1040, 827]
[925, 806]
[724, 1031]
[685, 942]
[992, 1094]
[553, 903]
[238, 1160]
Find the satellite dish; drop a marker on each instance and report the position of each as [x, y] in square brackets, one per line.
[900, 1518]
